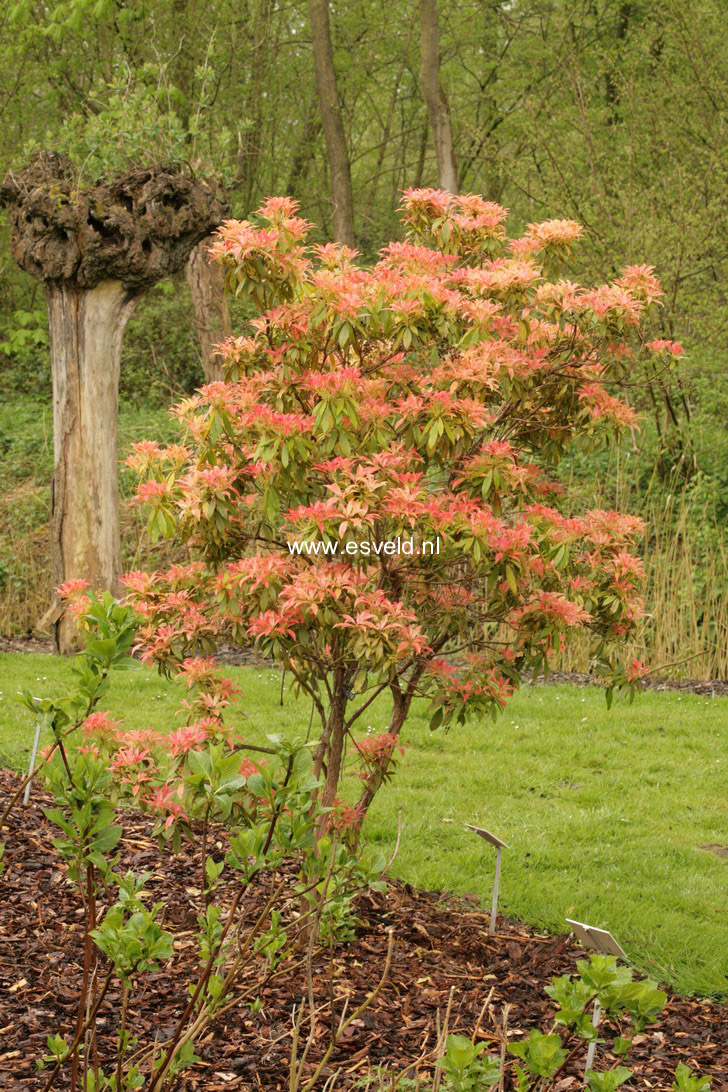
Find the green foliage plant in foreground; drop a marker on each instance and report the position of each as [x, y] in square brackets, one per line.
[189, 780]
[539, 1059]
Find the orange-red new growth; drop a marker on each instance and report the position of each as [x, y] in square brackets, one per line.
[424, 397]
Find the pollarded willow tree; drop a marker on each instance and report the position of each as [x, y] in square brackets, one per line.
[96, 249]
[368, 492]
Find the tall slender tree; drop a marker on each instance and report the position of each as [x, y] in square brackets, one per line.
[438, 109]
[330, 103]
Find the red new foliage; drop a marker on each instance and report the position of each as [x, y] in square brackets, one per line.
[421, 399]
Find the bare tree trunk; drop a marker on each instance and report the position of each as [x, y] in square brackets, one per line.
[328, 93]
[262, 48]
[333, 759]
[209, 303]
[437, 107]
[96, 250]
[86, 330]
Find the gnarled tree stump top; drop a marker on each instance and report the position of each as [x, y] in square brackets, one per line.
[137, 228]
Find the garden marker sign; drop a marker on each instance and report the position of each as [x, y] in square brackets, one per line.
[600, 940]
[499, 846]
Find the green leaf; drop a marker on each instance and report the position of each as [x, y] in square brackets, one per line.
[213, 869]
[609, 1081]
[541, 1054]
[199, 762]
[460, 1051]
[436, 718]
[685, 1082]
[256, 785]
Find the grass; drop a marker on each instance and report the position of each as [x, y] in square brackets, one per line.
[605, 812]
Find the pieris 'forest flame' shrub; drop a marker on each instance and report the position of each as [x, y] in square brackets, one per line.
[424, 399]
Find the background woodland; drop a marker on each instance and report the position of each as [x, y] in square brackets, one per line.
[610, 113]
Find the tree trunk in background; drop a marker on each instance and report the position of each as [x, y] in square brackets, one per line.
[263, 44]
[304, 153]
[212, 316]
[86, 330]
[96, 250]
[328, 93]
[419, 173]
[437, 108]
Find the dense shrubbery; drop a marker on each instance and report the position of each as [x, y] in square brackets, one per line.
[641, 160]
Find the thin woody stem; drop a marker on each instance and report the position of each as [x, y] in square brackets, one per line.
[161, 1073]
[80, 1034]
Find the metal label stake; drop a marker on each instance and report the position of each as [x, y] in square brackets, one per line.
[499, 847]
[593, 1045]
[38, 728]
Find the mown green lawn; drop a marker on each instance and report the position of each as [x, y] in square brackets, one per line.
[605, 812]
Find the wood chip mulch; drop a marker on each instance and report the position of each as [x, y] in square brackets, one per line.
[442, 945]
